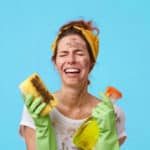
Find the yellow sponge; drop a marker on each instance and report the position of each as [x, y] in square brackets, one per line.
[33, 85]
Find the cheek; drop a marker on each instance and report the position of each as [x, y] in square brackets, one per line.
[59, 64]
[87, 64]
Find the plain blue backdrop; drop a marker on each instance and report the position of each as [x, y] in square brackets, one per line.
[28, 27]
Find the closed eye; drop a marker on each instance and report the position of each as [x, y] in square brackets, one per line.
[80, 52]
[62, 54]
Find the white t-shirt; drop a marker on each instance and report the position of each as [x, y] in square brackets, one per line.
[65, 127]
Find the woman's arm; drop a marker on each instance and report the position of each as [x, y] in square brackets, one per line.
[29, 137]
[43, 138]
[122, 140]
[120, 124]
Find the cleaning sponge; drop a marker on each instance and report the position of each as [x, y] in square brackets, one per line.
[34, 86]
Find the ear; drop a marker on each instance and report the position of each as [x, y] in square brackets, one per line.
[91, 67]
[55, 64]
[53, 60]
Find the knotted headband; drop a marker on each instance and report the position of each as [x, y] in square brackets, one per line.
[91, 38]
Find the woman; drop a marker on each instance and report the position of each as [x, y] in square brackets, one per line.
[74, 54]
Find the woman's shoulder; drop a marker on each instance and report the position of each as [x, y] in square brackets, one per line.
[55, 94]
[118, 110]
[94, 100]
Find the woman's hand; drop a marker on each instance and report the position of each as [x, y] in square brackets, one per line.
[35, 106]
[105, 115]
[45, 135]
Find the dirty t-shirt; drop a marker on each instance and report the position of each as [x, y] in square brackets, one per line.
[65, 127]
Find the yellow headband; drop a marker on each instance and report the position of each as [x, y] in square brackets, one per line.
[91, 38]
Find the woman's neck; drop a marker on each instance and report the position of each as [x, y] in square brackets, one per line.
[73, 96]
[75, 103]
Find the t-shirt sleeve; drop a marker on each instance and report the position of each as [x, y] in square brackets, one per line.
[26, 119]
[120, 122]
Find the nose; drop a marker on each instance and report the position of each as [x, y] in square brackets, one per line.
[71, 58]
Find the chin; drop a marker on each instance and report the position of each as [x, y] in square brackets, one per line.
[73, 82]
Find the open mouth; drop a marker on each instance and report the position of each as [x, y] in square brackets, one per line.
[72, 70]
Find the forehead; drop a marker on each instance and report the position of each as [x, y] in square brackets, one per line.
[72, 41]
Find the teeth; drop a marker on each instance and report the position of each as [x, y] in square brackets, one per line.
[72, 70]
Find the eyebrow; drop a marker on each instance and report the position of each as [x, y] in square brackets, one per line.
[63, 51]
[78, 50]
[75, 50]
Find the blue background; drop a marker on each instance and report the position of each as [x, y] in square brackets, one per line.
[28, 27]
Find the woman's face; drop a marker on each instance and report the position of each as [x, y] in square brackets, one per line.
[72, 60]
